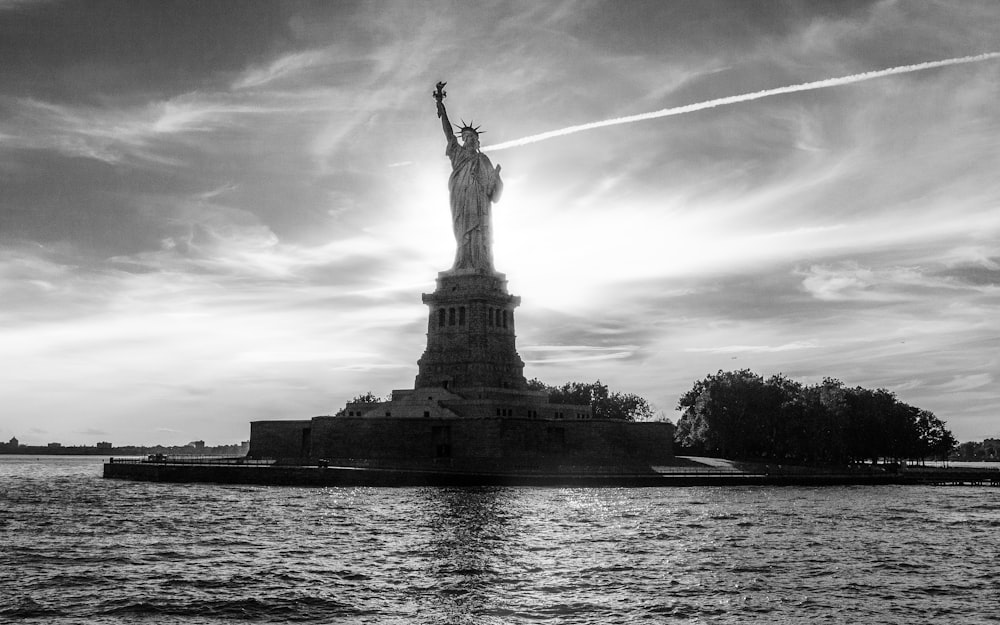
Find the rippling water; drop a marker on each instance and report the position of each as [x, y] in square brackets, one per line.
[79, 549]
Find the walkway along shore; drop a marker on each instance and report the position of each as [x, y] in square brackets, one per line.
[269, 472]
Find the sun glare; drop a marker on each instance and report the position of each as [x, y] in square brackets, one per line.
[565, 258]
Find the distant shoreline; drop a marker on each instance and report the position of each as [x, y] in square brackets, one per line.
[38, 450]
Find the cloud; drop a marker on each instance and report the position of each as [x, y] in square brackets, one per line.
[575, 348]
[116, 135]
[747, 97]
[576, 353]
[736, 349]
[92, 432]
[285, 67]
[12, 5]
[240, 226]
[848, 281]
[959, 384]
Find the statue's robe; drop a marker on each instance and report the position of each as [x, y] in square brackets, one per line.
[474, 184]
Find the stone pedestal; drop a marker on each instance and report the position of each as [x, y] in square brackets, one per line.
[470, 333]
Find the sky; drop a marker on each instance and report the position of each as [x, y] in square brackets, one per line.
[215, 212]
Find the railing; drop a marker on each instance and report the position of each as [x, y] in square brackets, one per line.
[974, 476]
[706, 470]
[185, 459]
[486, 466]
[952, 469]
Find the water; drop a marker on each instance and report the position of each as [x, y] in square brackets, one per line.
[75, 548]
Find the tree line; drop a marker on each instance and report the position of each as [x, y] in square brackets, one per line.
[987, 450]
[741, 415]
[604, 404]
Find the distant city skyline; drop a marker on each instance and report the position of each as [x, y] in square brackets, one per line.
[215, 213]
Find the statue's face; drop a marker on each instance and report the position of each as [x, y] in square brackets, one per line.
[470, 139]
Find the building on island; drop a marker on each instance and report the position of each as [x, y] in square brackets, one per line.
[470, 406]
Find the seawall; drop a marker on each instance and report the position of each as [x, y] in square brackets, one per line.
[271, 474]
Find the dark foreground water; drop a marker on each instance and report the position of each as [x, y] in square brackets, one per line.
[79, 549]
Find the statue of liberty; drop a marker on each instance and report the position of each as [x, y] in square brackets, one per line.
[474, 184]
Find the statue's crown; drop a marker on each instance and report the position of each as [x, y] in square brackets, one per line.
[470, 128]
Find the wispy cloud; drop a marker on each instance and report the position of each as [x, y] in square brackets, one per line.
[963, 383]
[114, 135]
[285, 67]
[736, 349]
[542, 354]
[851, 282]
[746, 97]
[6, 5]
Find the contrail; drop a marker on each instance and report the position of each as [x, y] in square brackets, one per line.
[689, 108]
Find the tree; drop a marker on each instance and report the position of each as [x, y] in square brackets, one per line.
[723, 412]
[624, 406]
[604, 404]
[738, 414]
[823, 430]
[364, 398]
[937, 441]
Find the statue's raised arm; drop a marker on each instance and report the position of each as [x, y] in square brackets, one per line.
[474, 185]
[439, 95]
